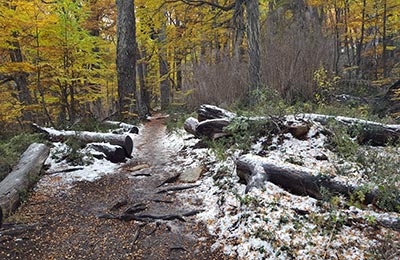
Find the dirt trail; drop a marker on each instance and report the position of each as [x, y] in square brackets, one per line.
[67, 224]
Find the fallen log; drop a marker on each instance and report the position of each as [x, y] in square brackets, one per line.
[22, 177]
[125, 141]
[190, 125]
[113, 153]
[255, 171]
[126, 127]
[366, 132]
[213, 128]
[206, 112]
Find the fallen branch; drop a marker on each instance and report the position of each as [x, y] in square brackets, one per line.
[177, 188]
[152, 217]
[171, 179]
[163, 201]
[118, 205]
[66, 170]
[135, 208]
[140, 175]
[16, 230]
[22, 177]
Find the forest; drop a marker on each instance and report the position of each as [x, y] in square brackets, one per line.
[59, 58]
[199, 129]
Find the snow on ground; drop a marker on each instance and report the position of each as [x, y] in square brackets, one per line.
[271, 223]
[58, 176]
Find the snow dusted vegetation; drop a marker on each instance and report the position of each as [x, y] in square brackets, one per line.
[267, 222]
[271, 223]
[63, 171]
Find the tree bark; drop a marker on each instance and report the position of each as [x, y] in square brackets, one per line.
[367, 132]
[164, 68]
[190, 125]
[125, 141]
[206, 112]
[253, 42]
[23, 176]
[255, 171]
[126, 54]
[113, 153]
[144, 93]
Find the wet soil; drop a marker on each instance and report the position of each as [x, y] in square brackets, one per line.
[69, 224]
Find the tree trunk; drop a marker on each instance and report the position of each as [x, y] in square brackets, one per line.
[255, 171]
[21, 79]
[164, 68]
[367, 132]
[190, 125]
[113, 153]
[239, 27]
[23, 176]
[361, 41]
[126, 54]
[384, 41]
[253, 42]
[144, 93]
[125, 141]
[206, 112]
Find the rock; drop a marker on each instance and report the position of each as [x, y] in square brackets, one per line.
[191, 175]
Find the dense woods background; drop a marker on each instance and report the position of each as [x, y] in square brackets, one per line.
[58, 59]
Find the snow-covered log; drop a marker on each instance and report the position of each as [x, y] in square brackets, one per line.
[22, 177]
[190, 125]
[125, 141]
[127, 127]
[367, 132]
[212, 112]
[113, 153]
[255, 171]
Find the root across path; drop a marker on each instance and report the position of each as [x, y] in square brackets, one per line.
[124, 215]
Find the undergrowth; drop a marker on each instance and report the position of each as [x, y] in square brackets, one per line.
[379, 168]
[12, 148]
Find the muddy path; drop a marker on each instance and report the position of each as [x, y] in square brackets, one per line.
[75, 223]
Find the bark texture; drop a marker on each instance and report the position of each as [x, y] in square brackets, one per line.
[126, 54]
[22, 177]
[253, 42]
[125, 141]
[255, 171]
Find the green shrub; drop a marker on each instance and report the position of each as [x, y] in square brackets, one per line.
[12, 148]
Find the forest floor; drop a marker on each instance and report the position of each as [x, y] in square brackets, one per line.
[63, 221]
[82, 214]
